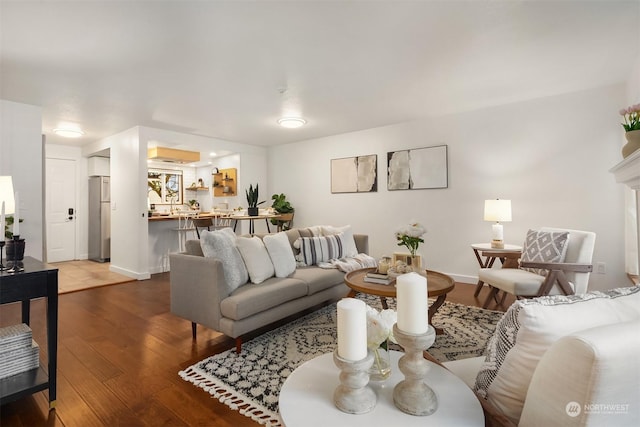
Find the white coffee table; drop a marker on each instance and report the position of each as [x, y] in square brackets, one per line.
[306, 399]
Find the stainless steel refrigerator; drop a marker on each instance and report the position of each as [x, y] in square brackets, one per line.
[99, 218]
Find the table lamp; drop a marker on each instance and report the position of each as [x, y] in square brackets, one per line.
[497, 210]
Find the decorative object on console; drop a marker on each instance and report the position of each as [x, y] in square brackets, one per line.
[497, 210]
[252, 200]
[354, 174]
[631, 125]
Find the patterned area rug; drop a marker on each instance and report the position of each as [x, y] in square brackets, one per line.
[250, 382]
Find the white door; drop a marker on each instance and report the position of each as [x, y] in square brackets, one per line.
[61, 210]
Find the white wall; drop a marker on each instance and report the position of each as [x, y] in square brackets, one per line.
[66, 152]
[550, 156]
[21, 156]
[129, 239]
[632, 234]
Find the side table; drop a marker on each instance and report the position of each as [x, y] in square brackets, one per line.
[36, 281]
[508, 258]
[306, 399]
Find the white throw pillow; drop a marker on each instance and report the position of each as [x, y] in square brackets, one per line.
[218, 244]
[279, 248]
[530, 327]
[350, 249]
[256, 258]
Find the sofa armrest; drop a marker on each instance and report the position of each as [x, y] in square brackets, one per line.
[362, 243]
[197, 287]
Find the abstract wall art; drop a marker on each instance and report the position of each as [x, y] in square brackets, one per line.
[354, 174]
[418, 168]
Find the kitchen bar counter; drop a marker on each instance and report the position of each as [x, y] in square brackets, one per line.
[175, 217]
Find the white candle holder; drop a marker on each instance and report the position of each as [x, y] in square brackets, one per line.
[412, 395]
[353, 395]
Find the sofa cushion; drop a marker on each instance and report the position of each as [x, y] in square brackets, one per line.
[350, 250]
[318, 279]
[314, 250]
[530, 327]
[281, 254]
[248, 300]
[256, 258]
[219, 244]
[593, 366]
[544, 246]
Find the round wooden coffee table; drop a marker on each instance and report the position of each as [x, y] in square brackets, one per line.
[438, 285]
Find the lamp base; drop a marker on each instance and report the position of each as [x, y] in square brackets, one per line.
[497, 244]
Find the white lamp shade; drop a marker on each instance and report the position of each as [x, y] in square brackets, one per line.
[497, 210]
[6, 195]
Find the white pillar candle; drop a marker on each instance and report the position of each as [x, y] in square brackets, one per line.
[16, 217]
[352, 329]
[413, 308]
[2, 223]
[496, 231]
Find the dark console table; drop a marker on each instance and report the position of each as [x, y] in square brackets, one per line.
[38, 280]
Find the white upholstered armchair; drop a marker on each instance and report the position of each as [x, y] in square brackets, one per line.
[553, 261]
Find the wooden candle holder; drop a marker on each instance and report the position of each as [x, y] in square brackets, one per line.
[353, 395]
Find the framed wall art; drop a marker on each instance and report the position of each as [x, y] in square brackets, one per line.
[354, 174]
[419, 168]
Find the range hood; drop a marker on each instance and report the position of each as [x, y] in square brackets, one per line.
[171, 155]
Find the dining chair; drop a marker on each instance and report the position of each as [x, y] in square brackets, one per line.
[553, 261]
[199, 223]
[284, 221]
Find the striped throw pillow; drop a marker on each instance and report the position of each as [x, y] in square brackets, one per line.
[321, 249]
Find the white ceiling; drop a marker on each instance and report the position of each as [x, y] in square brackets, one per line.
[230, 69]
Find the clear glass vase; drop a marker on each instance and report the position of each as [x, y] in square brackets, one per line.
[381, 368]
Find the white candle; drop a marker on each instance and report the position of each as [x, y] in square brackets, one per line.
[16, 218]
[352, 329]
[2, 223]
[496, 231]
[413, 308]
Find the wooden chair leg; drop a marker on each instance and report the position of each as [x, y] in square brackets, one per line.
[193, 329]
[238, 345]
[492, 294]
[478, 288]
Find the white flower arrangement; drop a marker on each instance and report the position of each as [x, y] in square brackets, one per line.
[380, 326]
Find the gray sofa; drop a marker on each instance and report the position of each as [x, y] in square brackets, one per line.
[198, 292]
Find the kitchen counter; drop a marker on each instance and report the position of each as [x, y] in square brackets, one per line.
[175, 216]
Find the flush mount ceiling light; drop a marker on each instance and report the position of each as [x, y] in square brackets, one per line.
[291, 122]
[68, 132]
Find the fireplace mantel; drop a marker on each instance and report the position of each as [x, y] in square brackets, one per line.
[628, 171]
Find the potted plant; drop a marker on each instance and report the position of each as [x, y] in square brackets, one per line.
[283, 207]
[15, 248]
[252, 200]
[631, 125]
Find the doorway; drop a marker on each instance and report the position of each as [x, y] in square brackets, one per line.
[61, 209]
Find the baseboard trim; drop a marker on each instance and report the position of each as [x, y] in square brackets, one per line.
[129, 273]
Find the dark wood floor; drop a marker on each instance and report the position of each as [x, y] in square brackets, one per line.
[119, 353]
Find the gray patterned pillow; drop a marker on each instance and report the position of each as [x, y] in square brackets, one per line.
[544, 246]
[219, 244]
